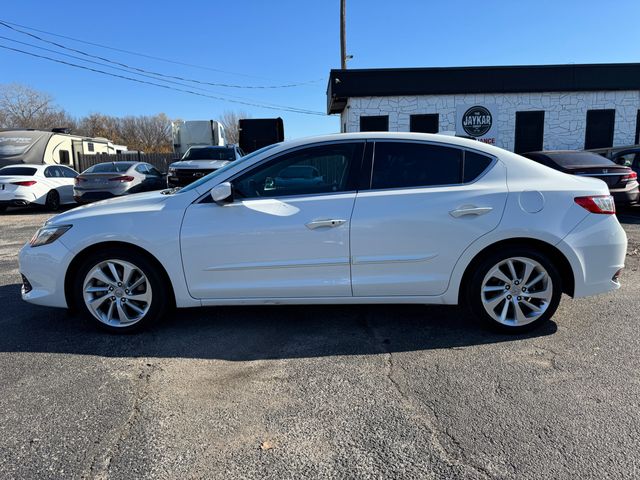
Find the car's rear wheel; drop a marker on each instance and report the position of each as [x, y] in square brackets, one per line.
[52, 202]
[515, 290]
[120, 291]
[3, 208]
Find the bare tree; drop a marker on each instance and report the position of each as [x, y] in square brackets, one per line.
[231, 123]
[153, 133]
[24, 107]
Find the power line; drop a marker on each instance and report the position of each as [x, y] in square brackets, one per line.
[224, 85]
[137, 80]
[140, 74]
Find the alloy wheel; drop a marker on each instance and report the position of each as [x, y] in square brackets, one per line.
[516, 291]
[117, 293]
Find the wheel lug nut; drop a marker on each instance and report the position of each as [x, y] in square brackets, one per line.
[127, 292]
[517, 282]
[508, 297]
[519, 298]
[119, 284]
[507, 287]
[113, 298]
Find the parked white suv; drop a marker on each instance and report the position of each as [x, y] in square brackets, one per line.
[200, 161]
[388, 218]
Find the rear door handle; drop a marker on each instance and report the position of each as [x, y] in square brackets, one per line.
[469, 210]
[325, 223]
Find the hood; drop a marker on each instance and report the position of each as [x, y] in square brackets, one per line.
[140, 202]
[200, 164]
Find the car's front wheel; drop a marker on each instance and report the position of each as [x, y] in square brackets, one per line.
[515, 290]
[119, 290]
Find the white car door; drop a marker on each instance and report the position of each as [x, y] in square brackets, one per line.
[426, 205]
[54, 179]
[285, 234]
[66, 183]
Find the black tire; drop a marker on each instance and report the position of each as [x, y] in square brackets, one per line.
[52, 202]
[3, 208]
[159, 304]
[474, 294]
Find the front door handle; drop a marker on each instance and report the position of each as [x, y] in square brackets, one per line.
[325, 223]
[469, 210]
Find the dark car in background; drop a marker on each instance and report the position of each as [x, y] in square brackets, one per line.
[621, 180]
[113, 179]
[200, 161]
[628, 158]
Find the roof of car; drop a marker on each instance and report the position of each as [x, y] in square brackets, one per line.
[429, 137]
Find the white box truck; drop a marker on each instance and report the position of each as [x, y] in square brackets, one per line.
[194, 133]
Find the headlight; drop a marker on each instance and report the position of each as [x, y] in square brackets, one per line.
[172, 171]
[48, 234]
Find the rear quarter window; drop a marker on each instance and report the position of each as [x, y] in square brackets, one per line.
[475, 164]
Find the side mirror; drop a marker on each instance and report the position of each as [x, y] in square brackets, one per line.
[222, 193]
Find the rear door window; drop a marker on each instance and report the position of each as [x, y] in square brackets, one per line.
[405, 165]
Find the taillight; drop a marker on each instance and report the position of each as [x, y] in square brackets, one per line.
[123, 178]
[630, 176]
[77, 180]
[602, 204]
[26, 183]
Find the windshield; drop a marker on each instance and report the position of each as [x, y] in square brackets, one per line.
[118, 167]
[579, 159]
[209, 153]
[25, 171]
[215, 173]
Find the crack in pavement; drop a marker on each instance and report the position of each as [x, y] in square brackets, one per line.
[101, 462]
[420, 414]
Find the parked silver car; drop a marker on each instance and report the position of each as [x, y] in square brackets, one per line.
[113, 179]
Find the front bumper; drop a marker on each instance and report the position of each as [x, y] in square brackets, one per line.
[44, 268]
[596, 249]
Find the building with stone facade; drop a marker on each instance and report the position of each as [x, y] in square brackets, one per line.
[519, 108]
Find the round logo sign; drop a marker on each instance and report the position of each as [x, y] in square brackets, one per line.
[477, 121]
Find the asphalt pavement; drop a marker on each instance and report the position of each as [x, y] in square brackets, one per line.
[272, 392]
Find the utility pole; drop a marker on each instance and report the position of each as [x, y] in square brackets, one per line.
[343, 35]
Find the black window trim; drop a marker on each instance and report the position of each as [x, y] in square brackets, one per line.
[205, 198]
[464, 149]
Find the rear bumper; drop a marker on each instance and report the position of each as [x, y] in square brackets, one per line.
[596, 249]
[15, 203]
[89, 196]
[629, 196]
[16, 198]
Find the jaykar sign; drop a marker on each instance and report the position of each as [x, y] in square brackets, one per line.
[477, 121]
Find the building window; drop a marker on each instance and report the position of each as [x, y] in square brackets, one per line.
[637, 140]
[64, 157]
[428, 123]
[90, 147]
[599, 132]
[529, 131]
[375, 123]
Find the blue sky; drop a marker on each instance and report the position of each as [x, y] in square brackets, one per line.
[281, 42]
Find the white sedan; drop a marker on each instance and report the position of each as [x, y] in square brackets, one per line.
[48, 185]
[393, 218]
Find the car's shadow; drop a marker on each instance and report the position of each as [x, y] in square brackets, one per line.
[251, 333]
